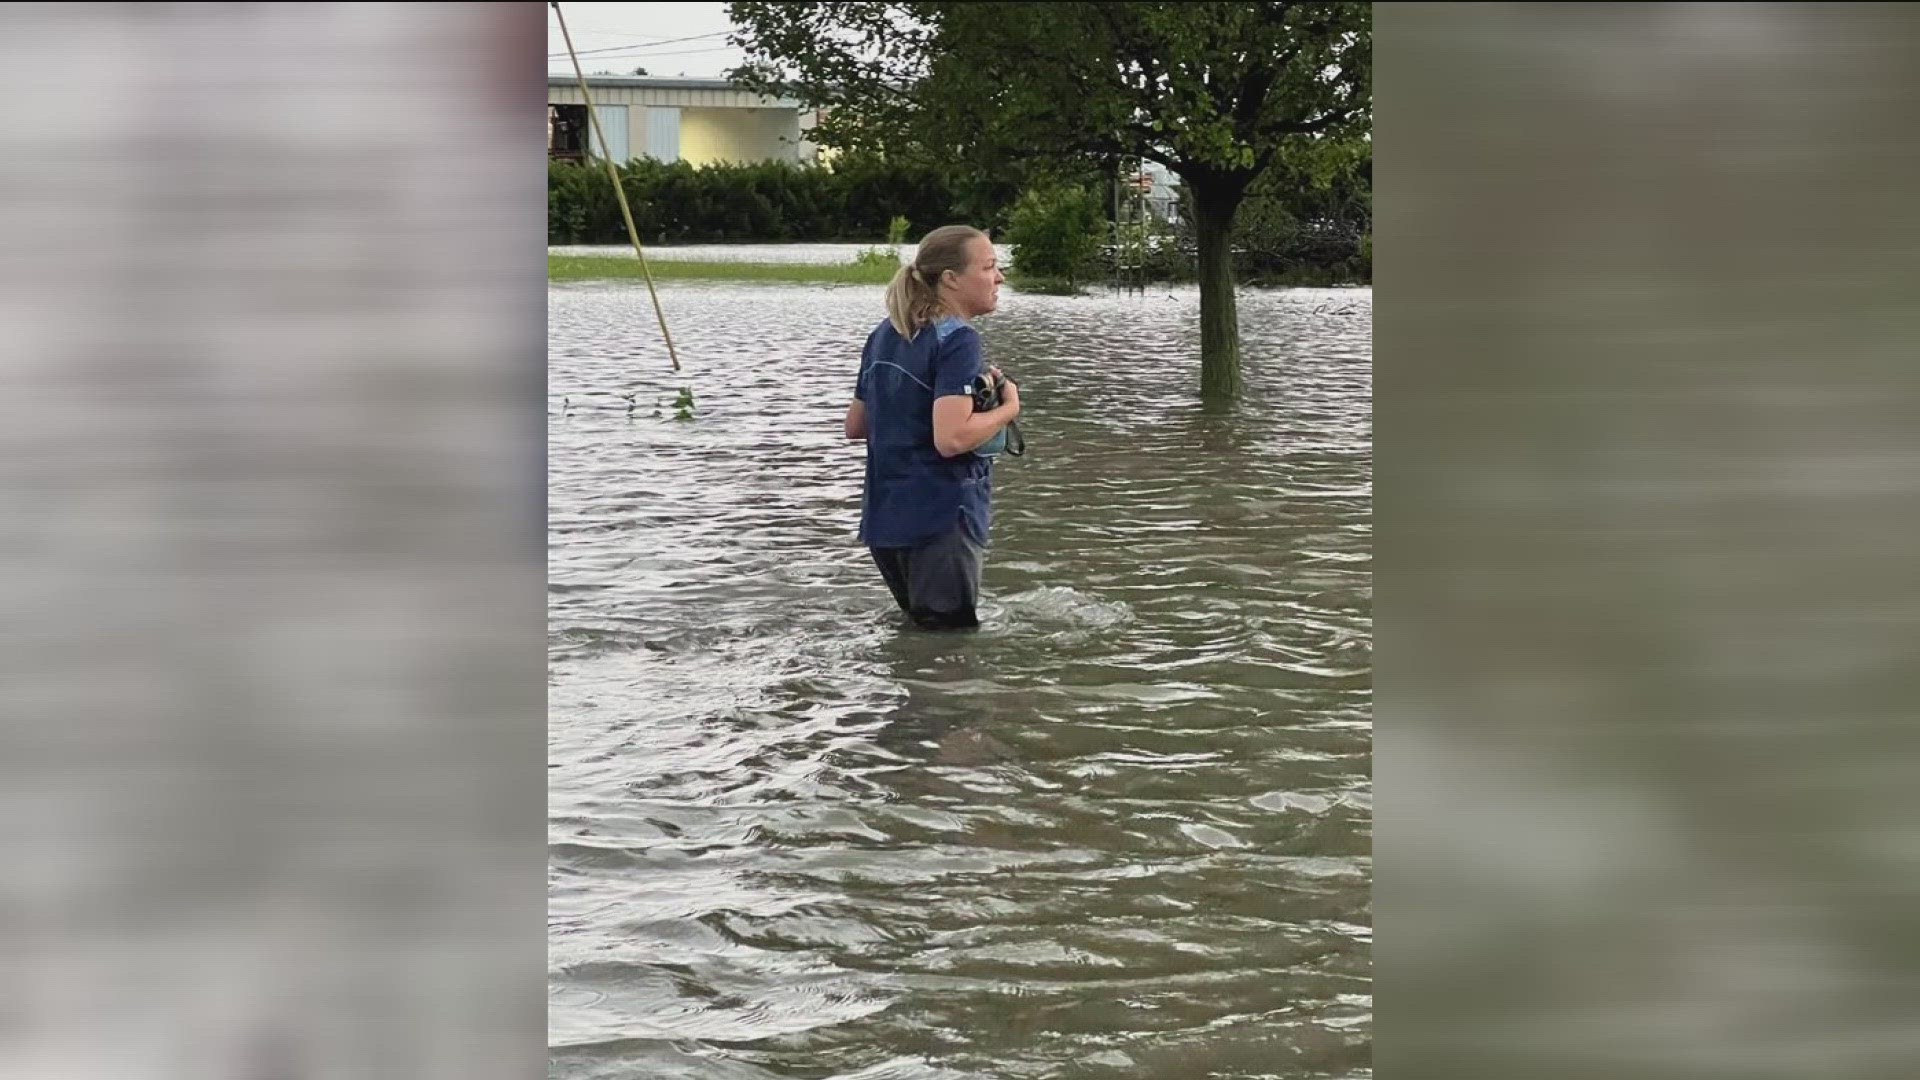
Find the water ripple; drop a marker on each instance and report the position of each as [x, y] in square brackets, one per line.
[1122, 831]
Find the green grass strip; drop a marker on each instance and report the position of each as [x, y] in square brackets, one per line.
[604, 268]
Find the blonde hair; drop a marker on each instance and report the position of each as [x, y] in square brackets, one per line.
[913, 297]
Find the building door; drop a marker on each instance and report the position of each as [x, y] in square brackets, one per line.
[663, 134]
[613, 121]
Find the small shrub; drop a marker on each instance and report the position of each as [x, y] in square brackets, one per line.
[1264, 231]
[1056, 232]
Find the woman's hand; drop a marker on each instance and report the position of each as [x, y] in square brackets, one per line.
[999, 377]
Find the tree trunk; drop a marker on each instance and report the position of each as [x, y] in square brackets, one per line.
[1214, 206]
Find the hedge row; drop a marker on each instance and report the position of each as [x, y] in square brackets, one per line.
[854, 199]
[1280, 234]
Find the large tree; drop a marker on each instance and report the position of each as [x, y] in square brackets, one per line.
[1215, 92]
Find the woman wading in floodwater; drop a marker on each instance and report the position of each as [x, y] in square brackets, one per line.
[927, 502]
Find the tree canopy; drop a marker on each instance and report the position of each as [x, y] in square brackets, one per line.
[1216, 92]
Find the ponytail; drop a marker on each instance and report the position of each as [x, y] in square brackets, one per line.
[913, 296]
[911, 302]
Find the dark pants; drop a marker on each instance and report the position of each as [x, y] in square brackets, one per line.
[937, 583]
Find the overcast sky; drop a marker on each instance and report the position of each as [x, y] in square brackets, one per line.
[643, 35]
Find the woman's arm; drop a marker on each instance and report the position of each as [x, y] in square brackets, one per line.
[957, 429]
[857, 419]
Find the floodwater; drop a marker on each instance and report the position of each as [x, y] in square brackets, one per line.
[1123, 830]
[812, 254]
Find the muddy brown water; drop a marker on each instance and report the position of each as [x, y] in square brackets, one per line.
[1121, 831]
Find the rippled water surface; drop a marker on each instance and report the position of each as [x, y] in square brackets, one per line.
[1121, 831]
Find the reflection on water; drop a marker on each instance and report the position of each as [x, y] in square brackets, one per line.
[1121, 831]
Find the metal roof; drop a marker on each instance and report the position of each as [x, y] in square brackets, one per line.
[646, 82]
[641, 84]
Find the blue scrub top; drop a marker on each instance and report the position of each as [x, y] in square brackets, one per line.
[912, 494]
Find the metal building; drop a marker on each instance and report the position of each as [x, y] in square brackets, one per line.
[701, 121]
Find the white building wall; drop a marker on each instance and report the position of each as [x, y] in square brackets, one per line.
[713, 124]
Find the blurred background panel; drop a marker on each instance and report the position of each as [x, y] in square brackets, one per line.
[271, 561]
[1648, 477]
